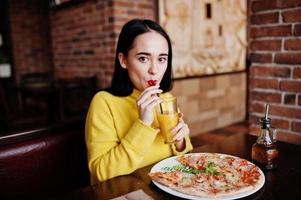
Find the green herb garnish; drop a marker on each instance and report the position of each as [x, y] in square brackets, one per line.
[209, 169]
[182, 168]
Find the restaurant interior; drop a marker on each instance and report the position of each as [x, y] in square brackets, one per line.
[55, 55]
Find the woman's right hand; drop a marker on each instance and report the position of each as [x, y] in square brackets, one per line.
[146, 102]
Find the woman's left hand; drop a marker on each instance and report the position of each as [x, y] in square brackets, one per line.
[182, 130]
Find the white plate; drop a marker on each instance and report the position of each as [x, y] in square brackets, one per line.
[169, 162]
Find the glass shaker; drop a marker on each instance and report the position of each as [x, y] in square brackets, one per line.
[264, 151]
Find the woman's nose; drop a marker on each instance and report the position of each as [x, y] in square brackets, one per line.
[153, 69]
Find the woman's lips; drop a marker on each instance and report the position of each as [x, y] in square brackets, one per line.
[152, 82]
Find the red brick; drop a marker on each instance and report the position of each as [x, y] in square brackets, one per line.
[266, 96]
[292, 44]
[297, 30]
[282, 111]
[256, 107]
[289, 99]
[266, 45]
[297, 72]
[288, 58]
[254, 129]
[145, 5]
[266, 18]
[135, 12]
[261, 57]
[280, 123]
[264, 5]
[291, 86]
[87, 10]
[289, 137]
[120, 12]
[254, 119]
[276, 31]
[292, 15]
[296, 126]
[270, 71]
[299, 100]
[289, 3]
[264, 83]
[127, 4]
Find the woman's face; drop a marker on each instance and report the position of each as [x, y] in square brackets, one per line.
[146, 61]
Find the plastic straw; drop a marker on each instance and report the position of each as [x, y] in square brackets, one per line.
[161, 109]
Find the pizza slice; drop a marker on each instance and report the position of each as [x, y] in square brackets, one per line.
[171, 179]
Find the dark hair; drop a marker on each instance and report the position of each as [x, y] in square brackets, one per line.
[121, 84]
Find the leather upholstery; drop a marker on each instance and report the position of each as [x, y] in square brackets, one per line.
[51, 165]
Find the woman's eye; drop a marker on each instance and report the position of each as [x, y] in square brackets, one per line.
[162, 59]
[143, 59]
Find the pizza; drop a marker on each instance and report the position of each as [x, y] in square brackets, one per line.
[210, 175]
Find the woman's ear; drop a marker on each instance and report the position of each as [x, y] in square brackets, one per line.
[122, 60]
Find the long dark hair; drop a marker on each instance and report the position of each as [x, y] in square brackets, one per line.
[121, 84]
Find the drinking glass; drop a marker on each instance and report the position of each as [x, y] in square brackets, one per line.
[168, 118]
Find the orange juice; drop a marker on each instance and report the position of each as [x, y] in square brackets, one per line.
[167, 121]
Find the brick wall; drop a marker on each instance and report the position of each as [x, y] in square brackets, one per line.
[30, 36]
[275, 71]
[212, 102]
[84, 36]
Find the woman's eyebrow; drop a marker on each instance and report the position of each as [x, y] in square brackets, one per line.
[163, 54]
[148, 54]
[143, 53]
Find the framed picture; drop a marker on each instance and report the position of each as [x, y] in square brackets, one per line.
[208, 36]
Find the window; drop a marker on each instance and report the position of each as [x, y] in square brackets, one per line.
[208, 11]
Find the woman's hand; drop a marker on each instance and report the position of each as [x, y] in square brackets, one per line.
[182, 130]
[146, 102]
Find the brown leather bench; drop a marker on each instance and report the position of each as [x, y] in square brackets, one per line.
[43, 163]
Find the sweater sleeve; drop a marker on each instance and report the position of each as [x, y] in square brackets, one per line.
[109, 156]
[188, 147]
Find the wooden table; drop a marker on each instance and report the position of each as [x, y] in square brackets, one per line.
[283, 183]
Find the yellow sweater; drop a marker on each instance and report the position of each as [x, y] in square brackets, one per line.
[118, 142]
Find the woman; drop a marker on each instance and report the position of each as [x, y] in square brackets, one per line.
[121, 133]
